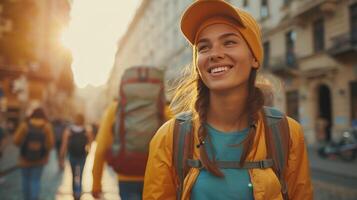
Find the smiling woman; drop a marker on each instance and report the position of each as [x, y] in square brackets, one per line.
[92, 36]
[226, 144]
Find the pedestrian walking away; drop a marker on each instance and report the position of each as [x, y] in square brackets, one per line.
[76, 142]
[35, 138]
[127, 128]
[224, 143]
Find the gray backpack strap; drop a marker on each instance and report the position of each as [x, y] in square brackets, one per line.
[182, 148]
[262, 164]
[115, 129]
[278, 144]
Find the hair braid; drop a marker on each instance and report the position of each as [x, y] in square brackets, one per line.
[255, 103]
[201, 106]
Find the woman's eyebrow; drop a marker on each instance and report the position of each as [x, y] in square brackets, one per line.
[225, 35]
[202, 40]
[228, 35]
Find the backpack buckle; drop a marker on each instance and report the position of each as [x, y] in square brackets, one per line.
[262, 164]
[194, 163]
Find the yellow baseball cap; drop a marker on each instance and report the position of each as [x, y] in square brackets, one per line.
[201, 10]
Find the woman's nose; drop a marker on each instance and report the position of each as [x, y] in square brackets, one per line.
[216, 54]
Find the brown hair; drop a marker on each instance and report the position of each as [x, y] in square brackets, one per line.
[38, 113]
[79, 119]
[193, 95]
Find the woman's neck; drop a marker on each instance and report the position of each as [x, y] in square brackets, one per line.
[227, 112]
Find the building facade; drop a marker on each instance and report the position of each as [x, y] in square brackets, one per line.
[312, 49]
[310, 55]
[35, 69]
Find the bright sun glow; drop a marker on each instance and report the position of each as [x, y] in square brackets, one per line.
[93, 34]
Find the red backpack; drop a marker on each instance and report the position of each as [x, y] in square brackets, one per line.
[139, 115]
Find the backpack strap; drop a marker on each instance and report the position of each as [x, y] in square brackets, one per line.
[116, 129]
[262, 164]
[278, 143]
[182, 137]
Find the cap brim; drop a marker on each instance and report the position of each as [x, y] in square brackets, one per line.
[202, 10]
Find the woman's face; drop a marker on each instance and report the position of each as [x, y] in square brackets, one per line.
[224, 59]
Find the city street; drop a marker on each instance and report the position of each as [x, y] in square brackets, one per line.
[74, 70]
[332, 179]
[55, 184]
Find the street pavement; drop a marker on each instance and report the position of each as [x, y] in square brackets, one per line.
[109, 182]
[55, 184]
[333, 179]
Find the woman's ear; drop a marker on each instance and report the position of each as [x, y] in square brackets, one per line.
[255, 64]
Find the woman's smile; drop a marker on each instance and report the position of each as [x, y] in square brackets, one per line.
[219, 70]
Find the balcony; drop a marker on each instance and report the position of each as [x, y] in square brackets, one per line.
[308, 8]
[344, 45]
[284, 65]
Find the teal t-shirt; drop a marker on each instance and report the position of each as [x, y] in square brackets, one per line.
[236, 182]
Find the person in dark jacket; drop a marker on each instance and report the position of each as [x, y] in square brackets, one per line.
[35, 138]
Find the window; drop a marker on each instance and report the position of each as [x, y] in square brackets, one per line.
[264, 9]
[292, 99]
[290, 38]
[353, 21]
[319, 35]
[245, 3]
[286, 2]
[353, 94]
[266, 47]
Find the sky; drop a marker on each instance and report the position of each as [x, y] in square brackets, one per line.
[93, 33]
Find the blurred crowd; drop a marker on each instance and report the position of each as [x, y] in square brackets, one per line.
[36, 136]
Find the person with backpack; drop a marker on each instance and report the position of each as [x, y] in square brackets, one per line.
[126, 130]
[76, 143]
[35, 138]
[225, 144]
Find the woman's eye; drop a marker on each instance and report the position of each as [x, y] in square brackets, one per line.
[202, 48]
[230, 42]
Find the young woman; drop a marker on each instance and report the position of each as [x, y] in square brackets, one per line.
[35, 138]
[228, 117]
[76, 142]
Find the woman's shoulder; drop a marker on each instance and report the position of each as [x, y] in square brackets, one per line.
[295, 128]
[165, 131]
[296, 131]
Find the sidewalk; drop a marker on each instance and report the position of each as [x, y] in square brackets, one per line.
[333, 179]
[335, 166]
[109, 181]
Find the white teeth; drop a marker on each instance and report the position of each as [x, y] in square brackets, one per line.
[219, 69]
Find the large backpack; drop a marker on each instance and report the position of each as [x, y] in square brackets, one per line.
[139, 114]
[77, 142]
[277, 143]
[33, 147]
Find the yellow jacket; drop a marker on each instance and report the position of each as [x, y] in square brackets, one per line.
[160, 177]
[20, 135]
[104, 140]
